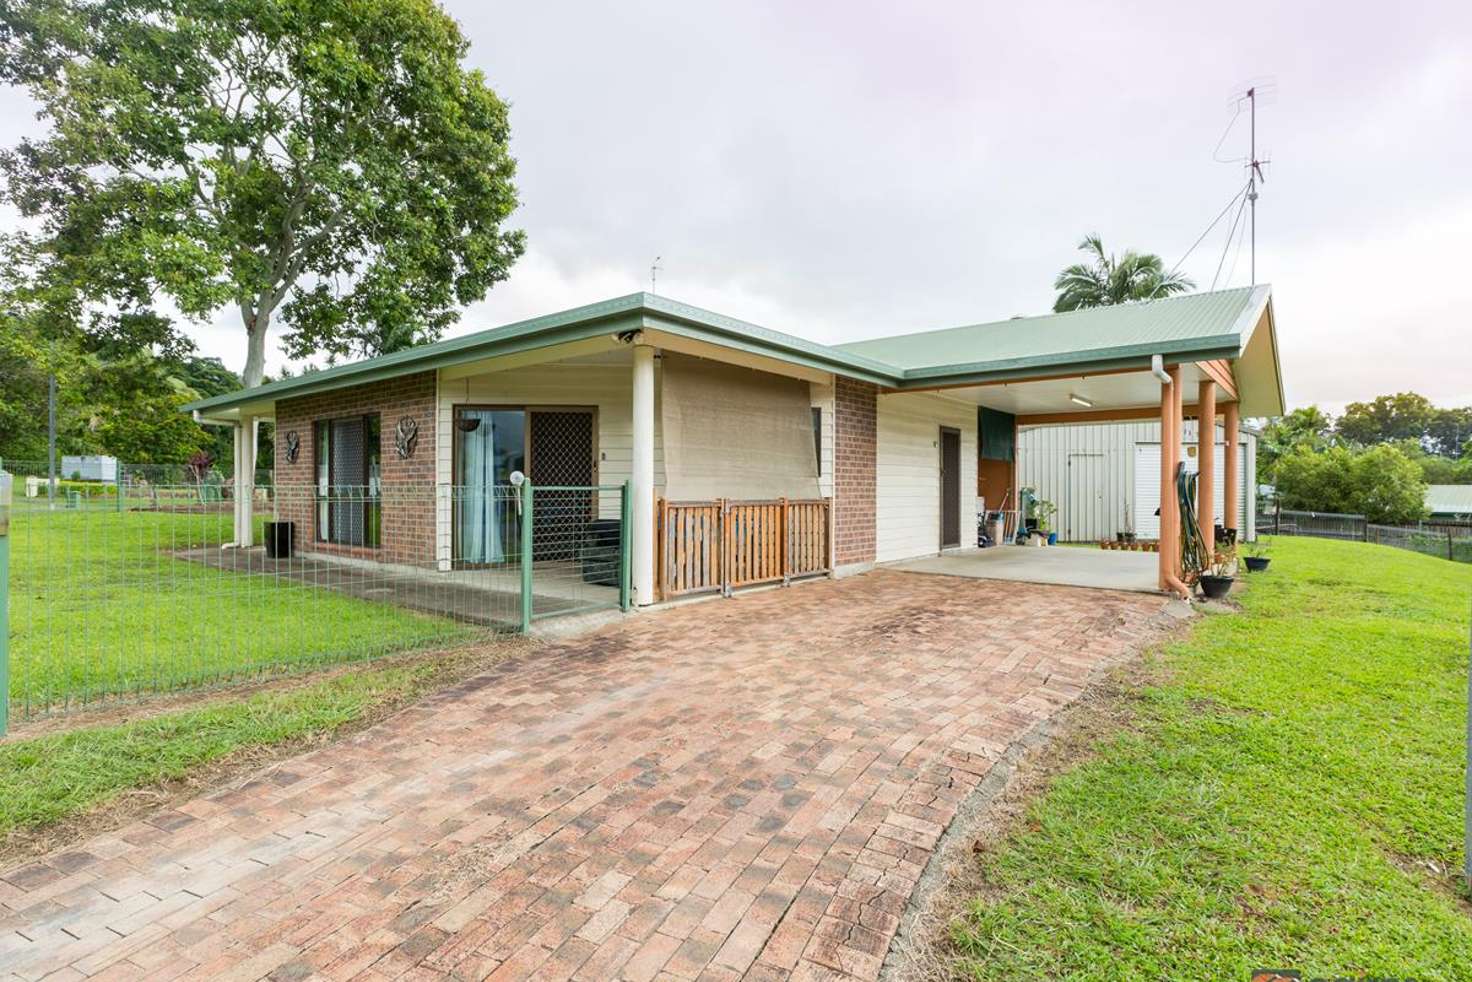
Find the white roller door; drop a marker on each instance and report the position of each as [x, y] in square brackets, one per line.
[1147, 484]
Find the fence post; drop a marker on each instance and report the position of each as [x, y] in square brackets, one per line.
[526, 556]
[625, 561]
[1450, 553]
[5, 482]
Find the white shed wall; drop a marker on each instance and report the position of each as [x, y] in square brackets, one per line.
[1088, 471]
[907, 479]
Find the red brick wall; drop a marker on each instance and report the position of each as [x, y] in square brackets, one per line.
[855, 409]
[408, 484]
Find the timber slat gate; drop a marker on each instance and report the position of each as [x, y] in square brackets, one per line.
[724, 545]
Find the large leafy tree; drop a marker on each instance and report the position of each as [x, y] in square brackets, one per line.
[1384, 419]
[1450, 432]
[1106, 279]
[331, 164]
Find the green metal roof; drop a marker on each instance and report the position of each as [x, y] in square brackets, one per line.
[1200, 320]
[1449, 499]
[1199, 327]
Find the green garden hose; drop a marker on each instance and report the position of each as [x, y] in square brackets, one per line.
[1194, 560]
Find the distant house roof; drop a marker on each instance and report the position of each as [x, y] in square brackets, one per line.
[1198, 327]
[1449, 499]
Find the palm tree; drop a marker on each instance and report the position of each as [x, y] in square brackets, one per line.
[1108, 281]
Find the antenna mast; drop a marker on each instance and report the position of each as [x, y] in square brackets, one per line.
[654, 274]
[1254, 174]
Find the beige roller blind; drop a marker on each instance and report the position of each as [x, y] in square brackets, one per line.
[732, 432]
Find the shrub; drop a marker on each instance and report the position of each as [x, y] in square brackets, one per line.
[1381, 483]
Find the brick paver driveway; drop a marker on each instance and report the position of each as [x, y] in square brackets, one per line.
[743, 786]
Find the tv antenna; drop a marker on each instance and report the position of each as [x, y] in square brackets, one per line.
[1254, 174]
[654, 269]
[1263, 90]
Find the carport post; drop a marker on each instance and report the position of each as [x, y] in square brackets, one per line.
[1231, 474]
[1170, 415]
[526, 556]
[1206, 466]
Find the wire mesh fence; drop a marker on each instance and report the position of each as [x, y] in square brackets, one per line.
[1319, 524]
[147, 591]
[74, 480]
[1445, 542]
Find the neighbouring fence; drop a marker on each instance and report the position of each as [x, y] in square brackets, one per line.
[1319, 524]
[723, 545]
[145, 593]
[1446, 540]
[33, 480]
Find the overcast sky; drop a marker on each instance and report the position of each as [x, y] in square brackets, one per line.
[846, 170]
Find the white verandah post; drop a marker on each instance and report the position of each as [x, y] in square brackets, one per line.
[245, 481]
[642, 485]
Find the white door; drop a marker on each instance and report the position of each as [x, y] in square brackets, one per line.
[1082, 513]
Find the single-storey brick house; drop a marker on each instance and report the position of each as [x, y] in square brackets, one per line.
[889, 443]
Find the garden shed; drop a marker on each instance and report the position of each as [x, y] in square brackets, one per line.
[1105, 477]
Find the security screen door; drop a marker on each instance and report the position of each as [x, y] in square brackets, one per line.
[553, 447]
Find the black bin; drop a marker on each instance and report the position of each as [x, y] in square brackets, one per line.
[278, 539]
[601, 559]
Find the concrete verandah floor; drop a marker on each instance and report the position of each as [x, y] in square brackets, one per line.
[1062, 566]
[490, 597]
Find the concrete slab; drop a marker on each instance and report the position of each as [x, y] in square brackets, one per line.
[1097, 569]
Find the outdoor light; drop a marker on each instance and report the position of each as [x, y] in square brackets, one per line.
[1080, 400]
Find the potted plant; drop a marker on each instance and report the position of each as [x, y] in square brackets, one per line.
[1216, 580]
[1045, 512]
[1257, 555]
[1128, 535]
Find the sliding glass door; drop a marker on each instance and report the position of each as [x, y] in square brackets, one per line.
[348, 457]
[490, 444]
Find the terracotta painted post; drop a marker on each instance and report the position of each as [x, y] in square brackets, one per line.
[1206, 465]
[1231, 472]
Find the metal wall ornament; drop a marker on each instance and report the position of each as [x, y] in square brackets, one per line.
[406, 437]
[293, 445]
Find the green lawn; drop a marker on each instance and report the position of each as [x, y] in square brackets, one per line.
[51, 778]
[1289, 797]
[100, 606]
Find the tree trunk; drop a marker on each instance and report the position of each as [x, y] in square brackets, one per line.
[256, 324]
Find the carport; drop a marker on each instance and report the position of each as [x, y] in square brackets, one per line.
[1212, 357]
